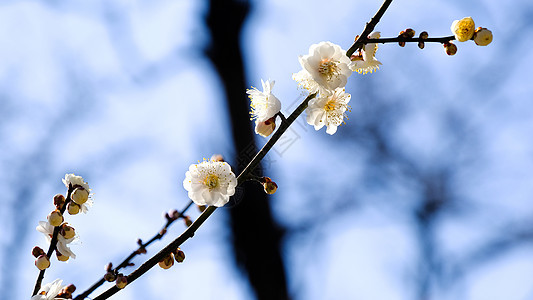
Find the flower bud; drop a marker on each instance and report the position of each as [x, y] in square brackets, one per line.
[61, 257]
[450, 48]
[409, 33]
[59, 200]
[122, 281]
[70, 288]
[37, 251]
[110, 276]
[173, 214]
[167, 262]
[187, 220]
[73, 208]
[482, 36]
[463, 29]
[421, 45]
[424, 35]
[270, 186]
[217, 157]
[109, 267]
[402, 44]
[42, 262]
[55, 218]
[179, 255]
[67, 231]
[265, 128]
[80, 195]
[66, 292]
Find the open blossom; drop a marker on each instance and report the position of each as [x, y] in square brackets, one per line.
[463, 29]
[328, 109]
[62, 243]
[366, 60]
[210, 183]
[264, 106]
[325, 68]
[74, 180]
[49, 291]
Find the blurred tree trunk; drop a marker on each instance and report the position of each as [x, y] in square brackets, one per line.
[256, 236]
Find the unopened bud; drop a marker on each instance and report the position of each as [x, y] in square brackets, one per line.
[421, 45]
[266, 128]
[122, 281]
[463, 29]
[179, 255]
[167, 262]
[73, 208]
[55, 218]
[110, 276]
[409, 33]
[80, 195]
[482, 36]
[59, 200]
[42, 262]
[174, 214]
[424, 35]
[270, 186]
[37, 251]
[67, 231]
[450, 48]
[187, 220]
[402, 44]
[217, 157]
[70, 288]
[61, 257]
[109, 267]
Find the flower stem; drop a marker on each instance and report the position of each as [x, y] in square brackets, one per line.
[127, 260]
[189, 232]
[53, 242]
[443, 39]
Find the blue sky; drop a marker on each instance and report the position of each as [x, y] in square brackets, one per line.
[122, 94]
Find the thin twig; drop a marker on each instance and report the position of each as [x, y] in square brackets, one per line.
[126, 262]
[53, 242]
[368, 28]
[441, 40]
[189, 232]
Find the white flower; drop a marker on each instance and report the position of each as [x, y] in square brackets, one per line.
[463, 29]
[71, 179]
[327, 66]
[49, 291]
[328, 109]
[48, 231]
[264, 106]
[210, 183]
[366, 60]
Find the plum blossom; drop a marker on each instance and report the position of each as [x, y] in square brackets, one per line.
[264, 106]
[210, 183]
[49, 291]
[325, 68]
[62, 243]
[328, 109]
[366, 60]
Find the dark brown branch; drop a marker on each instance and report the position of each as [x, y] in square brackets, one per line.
[441, 40]
[126, 262]
[368, 28]
[53, 242]
[189, 232]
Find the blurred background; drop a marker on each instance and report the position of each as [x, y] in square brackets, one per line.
[424, 193]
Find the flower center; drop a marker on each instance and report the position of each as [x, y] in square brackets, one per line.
[211, 181]
[328, 68]
[330, 105]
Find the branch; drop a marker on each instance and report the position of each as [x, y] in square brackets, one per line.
[368, 28]
[441, 40]
[53, 242]
[126, 262]
[189, 232]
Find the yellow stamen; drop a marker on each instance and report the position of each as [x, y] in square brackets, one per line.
[211, 181]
